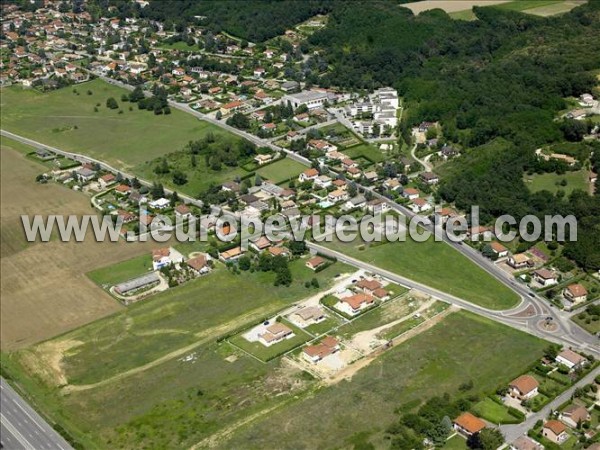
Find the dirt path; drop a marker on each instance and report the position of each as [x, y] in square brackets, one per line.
[348, 372]
[364, 340]
[203, 337]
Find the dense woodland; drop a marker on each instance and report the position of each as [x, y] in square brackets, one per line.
[500, 80]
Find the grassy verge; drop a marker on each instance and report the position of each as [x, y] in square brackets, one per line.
[437, 265]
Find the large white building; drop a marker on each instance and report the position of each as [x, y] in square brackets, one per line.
[312, 99]
[382, 105]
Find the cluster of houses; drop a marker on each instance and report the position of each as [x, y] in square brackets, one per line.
[558, 428]
[363, 295]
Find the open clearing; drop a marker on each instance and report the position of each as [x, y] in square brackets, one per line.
[542, 8]
[123, 140]
[433, 363]
[435, 264]
[551, 182]
[451, 5]
[281, 171]
[44, 290]
[216, 390]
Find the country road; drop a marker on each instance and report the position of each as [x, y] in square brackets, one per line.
[510, 317]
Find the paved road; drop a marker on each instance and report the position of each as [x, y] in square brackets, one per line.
[529, 325]
[87, 159]
[571, 334]
[21, 428]
[512, 432]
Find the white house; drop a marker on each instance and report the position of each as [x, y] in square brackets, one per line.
[160, 203]
[571, 359]
[545, 277]
[164, 256]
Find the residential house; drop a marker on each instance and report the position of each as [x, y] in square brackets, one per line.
[420, 205]
[339, 195]
[545, 277]
[315, 353]
[429, 178]
[106, 180]
[519, 261]
[264, 158]
[526, 443]
[183, 211]
[571, 359]
[231, 107]
[524, 387]
[308, 175]
[575, 293]
[315, 262]
[354, 304]
[262, 243]
[499, 250]
[123, 189]
[467, 424]
[555, 431]
[231, 254]
[279, 251]
[323, 182]
[410, 193]
[275, 333]
[165, 256]
[377, 206]
[84, 174]
[159, 203]
[574, 415]
[480, 232]
[356, 202]
[368, 286]
[310, 315]
[199, 264]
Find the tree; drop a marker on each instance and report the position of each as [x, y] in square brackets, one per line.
[179, 178]
[297, 247]
[218, 115]
[257, 180]
[486, 439]
[111, 103]
[244, 263]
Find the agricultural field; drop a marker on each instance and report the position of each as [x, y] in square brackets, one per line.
[553, 182]
[67, 120]
[62, 297]
[149, 344]
[536, 7]
[430, 364]
[437, 265]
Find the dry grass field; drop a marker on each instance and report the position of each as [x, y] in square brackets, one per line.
[451, 5]
[44, 289]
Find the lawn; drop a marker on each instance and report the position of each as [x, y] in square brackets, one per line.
[265, 353]
[435, 362]
[122, 271]
[552, 182]
[66, 120]
[587, 321]
[369, 151]
[455, 443]
[435, 264]
[281, 170]
[491, 411]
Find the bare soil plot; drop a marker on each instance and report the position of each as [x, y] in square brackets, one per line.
[44, 289]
